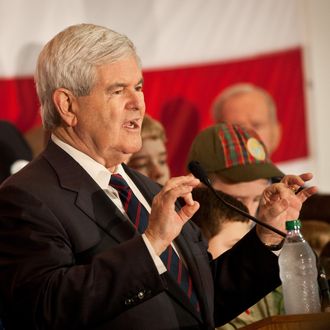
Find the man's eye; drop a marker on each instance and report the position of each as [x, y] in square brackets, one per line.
[162, 160]
[118, 91]
[138, 163]
[140, 166]
[139, 88]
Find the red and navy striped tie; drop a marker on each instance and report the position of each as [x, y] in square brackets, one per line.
[139, 216]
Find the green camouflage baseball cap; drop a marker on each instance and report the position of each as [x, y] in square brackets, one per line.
[233, 152]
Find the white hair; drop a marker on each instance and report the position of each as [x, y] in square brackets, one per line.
[69, 61]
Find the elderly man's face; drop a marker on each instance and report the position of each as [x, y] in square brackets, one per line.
[109, 118]
[250, 110]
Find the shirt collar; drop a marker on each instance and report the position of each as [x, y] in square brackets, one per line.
[100, 174]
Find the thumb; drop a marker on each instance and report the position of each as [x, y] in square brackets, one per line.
[187, 211]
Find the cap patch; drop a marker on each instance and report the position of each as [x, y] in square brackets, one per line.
[256, 149]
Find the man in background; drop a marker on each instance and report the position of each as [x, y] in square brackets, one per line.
[252, 107]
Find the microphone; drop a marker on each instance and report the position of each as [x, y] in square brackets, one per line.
[196, 169]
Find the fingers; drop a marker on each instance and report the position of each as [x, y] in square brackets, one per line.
[179, 187]
[165, 223]
[187, 211]
[306, 176]
[276, 192]
[296, 181]
[306, 193]
[276, 198]
[282, 197]
[181, 180]
[295, 184]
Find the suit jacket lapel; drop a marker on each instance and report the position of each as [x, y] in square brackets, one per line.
[91, 199]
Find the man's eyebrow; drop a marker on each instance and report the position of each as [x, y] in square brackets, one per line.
[145, 156]
[115, 86]
[122, 85]
[162, 153]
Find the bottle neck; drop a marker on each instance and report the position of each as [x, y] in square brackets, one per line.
[294, 235]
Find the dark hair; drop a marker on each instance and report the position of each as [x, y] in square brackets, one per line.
[213, 213]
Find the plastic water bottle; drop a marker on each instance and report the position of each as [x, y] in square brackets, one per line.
[298, 273]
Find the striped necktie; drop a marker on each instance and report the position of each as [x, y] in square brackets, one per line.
[139, 216]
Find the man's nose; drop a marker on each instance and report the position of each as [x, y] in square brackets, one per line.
[136, 100]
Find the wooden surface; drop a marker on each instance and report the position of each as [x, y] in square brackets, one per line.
[319, 321]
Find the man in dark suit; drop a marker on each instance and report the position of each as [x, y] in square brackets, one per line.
[70, 256]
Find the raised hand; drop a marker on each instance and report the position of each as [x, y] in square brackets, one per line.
[282, 202]
[165, 223]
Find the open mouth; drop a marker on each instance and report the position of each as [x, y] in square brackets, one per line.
[132, 124]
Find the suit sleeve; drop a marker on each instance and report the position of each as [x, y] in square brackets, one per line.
[242, 276]
[41, 281]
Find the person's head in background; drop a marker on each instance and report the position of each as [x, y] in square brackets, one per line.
[325, 260]
[14, 150]
[151, 160]
[236, 162]
[221, 225]
[252, 107]
[316, 233]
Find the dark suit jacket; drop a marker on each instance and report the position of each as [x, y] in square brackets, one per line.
[70, 260]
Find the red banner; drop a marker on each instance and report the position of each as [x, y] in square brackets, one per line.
[181, 98]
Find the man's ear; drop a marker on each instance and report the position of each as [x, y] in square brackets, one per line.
[64, 101]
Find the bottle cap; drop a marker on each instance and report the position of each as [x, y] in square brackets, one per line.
[293, 224]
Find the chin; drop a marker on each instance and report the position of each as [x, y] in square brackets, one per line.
[133, 148]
